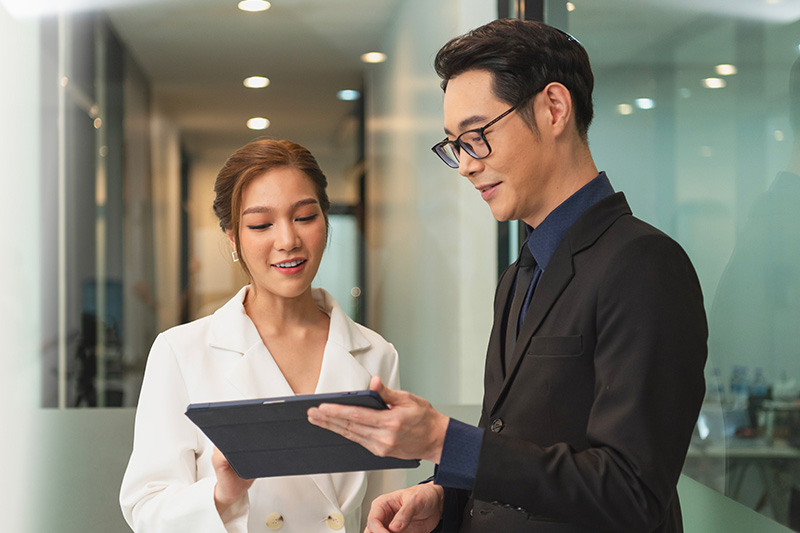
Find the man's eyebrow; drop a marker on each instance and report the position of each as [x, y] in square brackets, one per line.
[466, 123]
[265, 209]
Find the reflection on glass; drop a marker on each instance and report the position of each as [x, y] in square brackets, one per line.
[713, 164]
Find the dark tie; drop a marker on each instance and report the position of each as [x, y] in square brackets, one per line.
[526, 267]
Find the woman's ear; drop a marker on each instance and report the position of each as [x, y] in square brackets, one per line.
[232, 242]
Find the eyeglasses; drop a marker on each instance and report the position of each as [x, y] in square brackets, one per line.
[472, 141]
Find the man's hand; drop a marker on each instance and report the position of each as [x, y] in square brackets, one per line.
[413, 510]
[230, 487]
[410, 429]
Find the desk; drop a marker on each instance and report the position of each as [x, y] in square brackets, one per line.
[777, 467]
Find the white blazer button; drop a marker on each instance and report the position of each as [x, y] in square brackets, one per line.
[274, 521]
[335, 521]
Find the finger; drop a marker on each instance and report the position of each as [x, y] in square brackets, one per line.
[343, 427]
[374, 525]
[375, 384]
[390, 396]
[404, 515]
[344, 414]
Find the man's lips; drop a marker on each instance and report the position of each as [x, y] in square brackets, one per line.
[487, 190]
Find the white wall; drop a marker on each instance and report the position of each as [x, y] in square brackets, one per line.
[431, 241]
[19, 263]
[165, 143]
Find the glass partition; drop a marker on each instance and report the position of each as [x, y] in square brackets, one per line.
[96, 228]
[693, 105]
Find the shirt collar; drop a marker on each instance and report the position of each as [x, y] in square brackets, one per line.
[544, 240]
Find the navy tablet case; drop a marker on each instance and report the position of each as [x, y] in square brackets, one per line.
[272, 436]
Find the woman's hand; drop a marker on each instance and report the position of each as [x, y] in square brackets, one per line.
[230, 487]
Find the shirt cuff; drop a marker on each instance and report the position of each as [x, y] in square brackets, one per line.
[459, 462]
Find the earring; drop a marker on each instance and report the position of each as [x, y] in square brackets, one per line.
[235, 256]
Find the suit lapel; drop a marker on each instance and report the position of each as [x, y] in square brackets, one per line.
[495, 365]
[555, 279]
[552, 283]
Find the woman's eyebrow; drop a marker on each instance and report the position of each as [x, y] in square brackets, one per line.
[265, 209]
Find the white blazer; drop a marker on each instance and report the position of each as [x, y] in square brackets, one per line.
[169, 483]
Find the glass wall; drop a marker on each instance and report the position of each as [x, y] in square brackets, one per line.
[96, 231]
[693, 105]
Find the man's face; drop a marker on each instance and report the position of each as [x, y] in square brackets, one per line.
[517, 178]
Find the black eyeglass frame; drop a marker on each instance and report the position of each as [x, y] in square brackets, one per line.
[438, 148]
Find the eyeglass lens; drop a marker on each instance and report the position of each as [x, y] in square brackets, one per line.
[471, 141]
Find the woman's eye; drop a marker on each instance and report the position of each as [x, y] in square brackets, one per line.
[307, 219]
[259, 226]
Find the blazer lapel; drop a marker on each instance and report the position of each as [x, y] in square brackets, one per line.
[256, 374]
[340, 370]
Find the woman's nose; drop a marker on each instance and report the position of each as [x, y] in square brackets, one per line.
[288, 238]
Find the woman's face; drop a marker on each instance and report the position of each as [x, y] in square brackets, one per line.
[282, 232]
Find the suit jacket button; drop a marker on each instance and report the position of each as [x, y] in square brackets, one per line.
[497, 425]
[274, 521]
[335, 521]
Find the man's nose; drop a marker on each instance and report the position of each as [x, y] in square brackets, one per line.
[468, 165]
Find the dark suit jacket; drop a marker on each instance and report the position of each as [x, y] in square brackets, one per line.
[589, 429]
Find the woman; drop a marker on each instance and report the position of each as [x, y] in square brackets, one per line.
[276, 337]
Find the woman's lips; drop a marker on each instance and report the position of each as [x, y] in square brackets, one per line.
[292, 266]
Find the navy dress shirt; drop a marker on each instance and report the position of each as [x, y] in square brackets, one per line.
[462, 442]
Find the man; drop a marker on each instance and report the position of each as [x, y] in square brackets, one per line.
[591, 394]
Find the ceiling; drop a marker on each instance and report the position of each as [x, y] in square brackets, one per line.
[196, 53]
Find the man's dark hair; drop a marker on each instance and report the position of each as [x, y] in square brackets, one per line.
[523, 57]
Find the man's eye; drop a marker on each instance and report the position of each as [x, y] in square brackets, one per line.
[472, 139]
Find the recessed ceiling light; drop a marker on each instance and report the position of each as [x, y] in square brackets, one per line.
[726, 69]
[348, 95]
[373, 57]
[254, 5]
[645, 103]
[256, 82]
[624, 109]
[258, 123]
[714, 83]
[570, 6]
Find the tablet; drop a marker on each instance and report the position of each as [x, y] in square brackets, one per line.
[272, 436]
